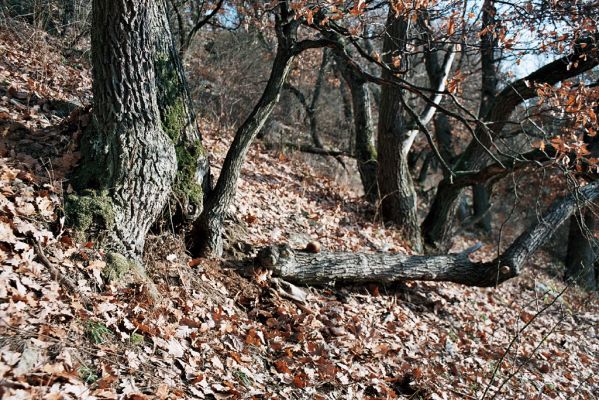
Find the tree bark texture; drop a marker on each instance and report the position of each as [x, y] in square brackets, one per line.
[488, 44]
[207, 231]
[441, 122]
[330, 268]
[179, 121]
[128, 158]
[363, 128]
[438, 222]
[396, 187]
[581, 256]
[315, 97]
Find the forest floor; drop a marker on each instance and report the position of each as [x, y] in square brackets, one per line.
[213, 333]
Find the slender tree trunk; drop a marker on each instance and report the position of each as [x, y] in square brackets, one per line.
[395, 184]
[68, 12]
[488, 42]
[347, 114]
[206, 235]
[315, 97]
[581, 256]
[363, 130]
[436, 75]
[481, 207]
[426, 163]
[310, 108]
[129, 161]
[328, 268]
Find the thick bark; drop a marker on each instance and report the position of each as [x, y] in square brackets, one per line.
[438, 223]
[179, 122]
[363, 129]
[581, 256]
[128, 159]
[329, 268]
[395, 185]
[396, 135]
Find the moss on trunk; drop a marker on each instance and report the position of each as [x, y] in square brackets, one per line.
[186, 184]
[90, 214]
[176, 118]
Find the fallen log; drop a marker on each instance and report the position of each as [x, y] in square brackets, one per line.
[330, 268]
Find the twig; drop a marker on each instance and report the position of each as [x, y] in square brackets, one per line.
[513, 341]
[66, 283]
[523, 363]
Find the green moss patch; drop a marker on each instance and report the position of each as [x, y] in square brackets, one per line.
[89, 214]
[185, 184]
[118, 266]
[174, 119]
[97, 332]
[172, 98]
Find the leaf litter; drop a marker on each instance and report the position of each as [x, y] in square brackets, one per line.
[214, 333]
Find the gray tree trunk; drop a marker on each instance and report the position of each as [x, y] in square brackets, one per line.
[68, 13]
[310, 108]
[488, 45]
[439, 220]
[129, 161]
[395, 184]
[178, 119]
[363, 128]
[443, 136]
[581, 256]
[315, 97]
[206, 235]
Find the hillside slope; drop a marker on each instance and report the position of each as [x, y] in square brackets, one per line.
[65, 332]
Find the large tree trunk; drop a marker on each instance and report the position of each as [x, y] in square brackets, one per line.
[581, 257]
[363, 130]
[129, 161]
[438, 223]
[395, 184]
[330, 268]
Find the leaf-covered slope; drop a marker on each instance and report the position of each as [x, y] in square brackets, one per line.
[215, 334]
